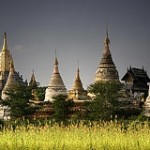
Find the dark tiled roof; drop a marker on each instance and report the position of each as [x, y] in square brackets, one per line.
[138, 74]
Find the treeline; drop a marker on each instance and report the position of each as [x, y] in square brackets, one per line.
[104, 106]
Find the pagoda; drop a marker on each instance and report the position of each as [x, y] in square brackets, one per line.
[33, 84]
[77, 92]
[5, 59]
[56, 85]
[11, 82]
[107, 70]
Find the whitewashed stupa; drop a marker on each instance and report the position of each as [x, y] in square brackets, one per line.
[56, 85]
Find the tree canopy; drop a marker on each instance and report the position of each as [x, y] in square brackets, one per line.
[62, 108]
[18, 101]
[105, 100]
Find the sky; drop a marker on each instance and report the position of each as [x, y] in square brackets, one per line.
[76, 29]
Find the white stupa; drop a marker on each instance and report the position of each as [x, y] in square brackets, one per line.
[56, 85]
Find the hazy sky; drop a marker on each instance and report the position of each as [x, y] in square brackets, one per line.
[76, 28]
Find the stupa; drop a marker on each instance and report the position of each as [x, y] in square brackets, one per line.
[11, 82]
[56, 85]
[107, 70]
[5, 59]
[77, 92]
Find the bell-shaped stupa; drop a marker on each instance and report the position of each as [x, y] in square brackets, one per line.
[107, 70]
[11, 82]
[77, 92]
[56, 85]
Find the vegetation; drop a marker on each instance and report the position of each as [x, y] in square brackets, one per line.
[84, 135]
[18, 102]
[62, 108]
[105, 101]
[41, 93]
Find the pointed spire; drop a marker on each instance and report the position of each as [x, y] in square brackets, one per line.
[33, 82]
[106, 51]
[55, 69]
[5, 57]
[77, 83]
[56, 85]
[5, 46]
[107, 41]
[78, 71]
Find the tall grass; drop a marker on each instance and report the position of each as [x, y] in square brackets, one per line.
[78, 136]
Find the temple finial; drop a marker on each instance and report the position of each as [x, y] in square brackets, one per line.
[56, 61]
[5, 46]
[78, 65]
[107, 41]
[78, 70]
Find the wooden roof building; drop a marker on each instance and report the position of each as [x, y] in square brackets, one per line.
[136, 80]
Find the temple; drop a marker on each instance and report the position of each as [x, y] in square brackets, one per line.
[56, 85]
[131, 93]
[77, 92]
[11, 82]
[33, 83]
[136, 80]
[107, 70]
[6, 61]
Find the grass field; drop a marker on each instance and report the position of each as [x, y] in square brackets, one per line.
[92, 136]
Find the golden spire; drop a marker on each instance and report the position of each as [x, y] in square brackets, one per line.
[5, 46]
[77, 83]
[78, 72]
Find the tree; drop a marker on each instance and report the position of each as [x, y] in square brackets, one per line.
[18, 101]
[62, 108]
[105, 100]
[41, 92]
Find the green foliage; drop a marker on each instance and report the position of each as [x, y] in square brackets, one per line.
[62, 108]
[105, 100]
[41, 92]
[18, 101]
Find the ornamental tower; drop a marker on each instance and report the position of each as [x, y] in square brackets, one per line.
[77, 92]
[5, 59]
[107, 70]
[56, 85]
[33, 82]
[11, 82]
